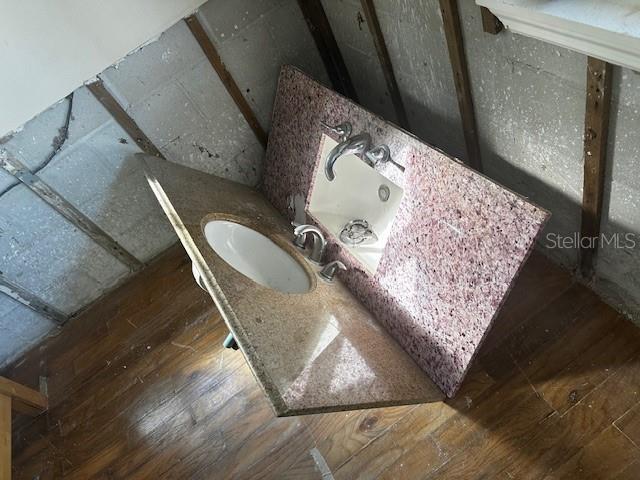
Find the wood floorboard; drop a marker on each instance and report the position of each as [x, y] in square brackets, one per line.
[592, 366]
[631, 472]
[629, 423]
[562, 436]
[141, 387]
[341, 435]
[542, 329]
[604, 457]
[515, 410]
[528, 296]
[305, 467]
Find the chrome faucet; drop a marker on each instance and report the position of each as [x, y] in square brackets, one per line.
[357, 144]
[330, 269]
[380, 154]
[319, 243]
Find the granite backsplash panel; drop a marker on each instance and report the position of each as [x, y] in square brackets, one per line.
[456, 246]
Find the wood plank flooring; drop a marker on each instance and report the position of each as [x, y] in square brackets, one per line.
[140, 387]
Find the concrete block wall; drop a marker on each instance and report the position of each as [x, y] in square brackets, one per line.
[530, 102]
[618, 270]
[416, 44]
[177, 99]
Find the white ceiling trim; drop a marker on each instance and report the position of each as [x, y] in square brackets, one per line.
[531, 19]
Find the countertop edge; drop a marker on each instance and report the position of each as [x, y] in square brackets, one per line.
[216, 293]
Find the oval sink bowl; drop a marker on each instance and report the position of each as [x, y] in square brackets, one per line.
[256, 256]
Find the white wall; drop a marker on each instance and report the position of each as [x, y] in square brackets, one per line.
[49, 48]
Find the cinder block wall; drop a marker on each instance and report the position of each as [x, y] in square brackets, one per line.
[530, 102]
[177, 99]
[529, 99]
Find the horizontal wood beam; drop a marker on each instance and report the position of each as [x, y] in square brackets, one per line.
[226, 78]
[322, 34]
[490, 23]
[596, 132]
[385, 61]
[119, 114]
[24, 399]
[16, 168]
[458, 59]
[31, 301]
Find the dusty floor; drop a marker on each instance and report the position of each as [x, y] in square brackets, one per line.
[141, 388]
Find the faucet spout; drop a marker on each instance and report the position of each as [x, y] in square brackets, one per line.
[357, 144]
[319, 243]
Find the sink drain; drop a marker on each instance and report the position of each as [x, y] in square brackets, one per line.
[357, 232]
[384, 193]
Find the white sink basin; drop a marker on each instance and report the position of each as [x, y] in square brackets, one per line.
[352, 195]
[256, 256]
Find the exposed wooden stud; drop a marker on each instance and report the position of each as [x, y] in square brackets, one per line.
[455, 44]
[24, 399]
[119, 114]
[16, 168]
[31, 301]
[227, 80]
[320, 29]
[490, 23]
[385, 60]
[5, 437]
[596, 130]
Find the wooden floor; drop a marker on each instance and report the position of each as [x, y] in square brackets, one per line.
[141, 388]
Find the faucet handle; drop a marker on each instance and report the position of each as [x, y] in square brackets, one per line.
[300, 240]
[381, 154]
[343, 130]
[378, 154]
[330, 269]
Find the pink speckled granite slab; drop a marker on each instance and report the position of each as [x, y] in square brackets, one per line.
[457, 243]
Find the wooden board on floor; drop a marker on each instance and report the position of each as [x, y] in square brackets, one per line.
[24, 399]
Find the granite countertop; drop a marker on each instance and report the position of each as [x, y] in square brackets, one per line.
[458, 239]
[320, 351]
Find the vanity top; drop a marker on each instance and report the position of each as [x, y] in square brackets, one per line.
[318, 351]
[458, 239]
